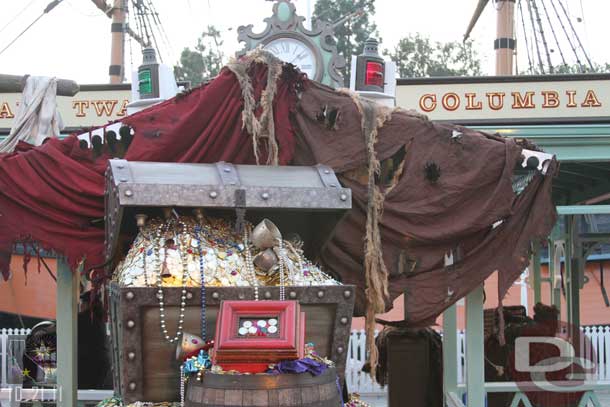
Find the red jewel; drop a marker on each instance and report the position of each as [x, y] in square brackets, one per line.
[141, 249]
[190, 251]
[194, 341]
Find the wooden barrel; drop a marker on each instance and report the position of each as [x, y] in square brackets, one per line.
[283, 390]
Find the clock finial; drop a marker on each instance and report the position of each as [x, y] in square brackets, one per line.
[312, 51]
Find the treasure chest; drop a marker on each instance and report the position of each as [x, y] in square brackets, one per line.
[307, 201]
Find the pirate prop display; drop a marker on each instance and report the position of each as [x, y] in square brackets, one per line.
[196, 222]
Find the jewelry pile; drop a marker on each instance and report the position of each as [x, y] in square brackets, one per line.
[177, 252]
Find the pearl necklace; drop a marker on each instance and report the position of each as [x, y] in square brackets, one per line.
[202, 276]
[160, 294]
[144, 254]
[250, 265]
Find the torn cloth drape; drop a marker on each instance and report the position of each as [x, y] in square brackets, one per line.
[37, 117]
[422, 218]
[54, 194]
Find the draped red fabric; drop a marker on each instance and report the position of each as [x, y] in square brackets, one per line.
[205, 126]
[54, 194]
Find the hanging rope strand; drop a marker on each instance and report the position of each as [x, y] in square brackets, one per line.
[548, 17]
[47, 10]
[146, 18]
[542, 36]
[161, 28]
[540, 63]
[527, 45]
[576, 34]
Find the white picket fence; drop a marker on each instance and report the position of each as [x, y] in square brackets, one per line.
[596, 348]
[12, 344]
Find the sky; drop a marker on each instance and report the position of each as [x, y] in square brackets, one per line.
[73, 40]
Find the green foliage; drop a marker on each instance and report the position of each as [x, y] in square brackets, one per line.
[572, 69]
[202, 63]
[353, 32]
[417, 56]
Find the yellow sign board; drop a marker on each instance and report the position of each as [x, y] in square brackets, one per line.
[518, 99]
[94, 105]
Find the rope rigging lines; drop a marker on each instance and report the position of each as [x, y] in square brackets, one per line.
[542, 19]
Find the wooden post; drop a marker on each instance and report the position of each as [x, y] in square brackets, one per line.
[450, 343]
[67, 318]
[504, 43]
[577, 271]
[569, 250]
[537, 273]
[450, 353]
[475, 366]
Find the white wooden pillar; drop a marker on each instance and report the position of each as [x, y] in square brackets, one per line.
[67, 318]
[475, 366]
[450, 344]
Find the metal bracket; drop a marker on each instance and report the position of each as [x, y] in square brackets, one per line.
[121, 171]
[327, 175]
[536, 159]
[240, 198]
[228, 174]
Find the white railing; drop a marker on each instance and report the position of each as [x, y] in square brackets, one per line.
[596, 348]
[357, 380]
[12, 345]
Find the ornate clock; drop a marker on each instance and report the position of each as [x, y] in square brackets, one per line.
[312, 51]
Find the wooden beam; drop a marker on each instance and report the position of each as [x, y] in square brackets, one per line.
[16, 83]
[583, 209]
[582, 176]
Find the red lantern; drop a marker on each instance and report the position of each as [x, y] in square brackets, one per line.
[374, 74]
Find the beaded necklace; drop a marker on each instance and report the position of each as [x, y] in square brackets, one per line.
[251, 274]
[281, 261]
[160, 295]
[202, 276]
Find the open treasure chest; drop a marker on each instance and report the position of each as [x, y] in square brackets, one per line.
[170, 227]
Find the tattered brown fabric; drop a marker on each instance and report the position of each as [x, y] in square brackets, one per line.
[424, 217]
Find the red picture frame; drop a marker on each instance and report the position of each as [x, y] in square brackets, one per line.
[255, 353]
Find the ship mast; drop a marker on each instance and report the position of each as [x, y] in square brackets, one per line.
[117, 51]
[504, 44]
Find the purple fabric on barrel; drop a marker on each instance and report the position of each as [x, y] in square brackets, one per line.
[300, 366]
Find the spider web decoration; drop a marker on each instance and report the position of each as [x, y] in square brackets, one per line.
[41, 350]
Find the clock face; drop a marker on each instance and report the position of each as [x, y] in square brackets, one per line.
[295, 52]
